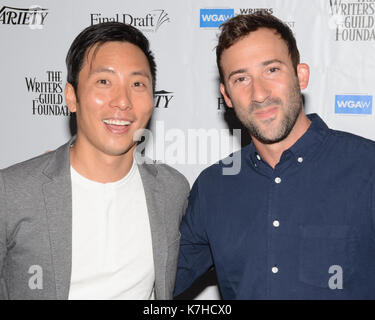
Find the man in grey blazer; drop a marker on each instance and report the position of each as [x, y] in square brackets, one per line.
[89, 221]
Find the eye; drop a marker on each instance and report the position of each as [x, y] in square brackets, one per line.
[273, 70]
[139, 86]
[242, 80]
[103, 82]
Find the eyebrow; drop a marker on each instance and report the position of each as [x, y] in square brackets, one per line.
[101, 69]
[108, 70]
[264, 64]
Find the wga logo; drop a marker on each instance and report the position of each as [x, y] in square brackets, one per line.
[213, 18]
[353, 104]
[34, 17]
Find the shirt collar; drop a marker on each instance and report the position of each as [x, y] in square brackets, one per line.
[304, 146]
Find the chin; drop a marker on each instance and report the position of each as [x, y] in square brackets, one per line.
[117, 151]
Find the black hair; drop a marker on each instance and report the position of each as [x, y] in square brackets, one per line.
[240, 26]
[99, 34]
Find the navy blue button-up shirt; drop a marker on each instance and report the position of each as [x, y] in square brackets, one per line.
[303, 230]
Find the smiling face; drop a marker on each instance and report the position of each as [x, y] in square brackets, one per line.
[261, 85]
[114, 98]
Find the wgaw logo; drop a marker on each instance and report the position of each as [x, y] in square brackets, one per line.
[213, 18]
[34, 17]
[353, 104]
[150, 21]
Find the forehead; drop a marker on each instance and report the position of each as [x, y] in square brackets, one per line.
[260, 45]
[115, 54]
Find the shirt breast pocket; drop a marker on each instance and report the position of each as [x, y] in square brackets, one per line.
[322, 247]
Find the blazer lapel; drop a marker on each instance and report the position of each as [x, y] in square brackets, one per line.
[58, 200]
[155, 205]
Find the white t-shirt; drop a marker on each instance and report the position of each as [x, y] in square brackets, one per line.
[112, 254]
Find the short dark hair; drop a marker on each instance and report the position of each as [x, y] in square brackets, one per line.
[240, 26]
[99, 34]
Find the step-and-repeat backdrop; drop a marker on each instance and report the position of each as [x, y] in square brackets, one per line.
[191, 127]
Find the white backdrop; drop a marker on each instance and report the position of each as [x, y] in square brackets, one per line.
[335, 37]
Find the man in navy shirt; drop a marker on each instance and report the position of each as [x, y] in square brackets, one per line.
[298, 219]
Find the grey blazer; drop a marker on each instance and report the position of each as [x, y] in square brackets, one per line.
[36, 225]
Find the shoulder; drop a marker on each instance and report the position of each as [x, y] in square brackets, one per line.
[167, 177]
[353, 144]
[226, 167]
[27, 170]
[171, 177]
[34, 170]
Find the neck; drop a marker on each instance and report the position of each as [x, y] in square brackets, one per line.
[100, 167]
[271, 153]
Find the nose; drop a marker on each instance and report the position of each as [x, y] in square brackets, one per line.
[260, 92]
[121, 99]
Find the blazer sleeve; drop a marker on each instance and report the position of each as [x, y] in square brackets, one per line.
[2, 235]
[194, 254]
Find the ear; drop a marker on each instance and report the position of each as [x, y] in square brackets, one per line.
[303, 73]
[227, 99]
[70, 97]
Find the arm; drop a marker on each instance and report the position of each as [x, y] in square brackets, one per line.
[194, 255]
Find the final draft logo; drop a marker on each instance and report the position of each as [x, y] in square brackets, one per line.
[48, 99]
[353, 20]
[34, 17]
[150, 21]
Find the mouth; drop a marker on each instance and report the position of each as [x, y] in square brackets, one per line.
[117, 126]
[266, 113]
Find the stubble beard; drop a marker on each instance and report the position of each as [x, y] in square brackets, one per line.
[292, 111]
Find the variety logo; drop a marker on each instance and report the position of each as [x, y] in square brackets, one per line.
[353, 104]
[151, 21]
[213, 18]
[34, 17]
[162, 99]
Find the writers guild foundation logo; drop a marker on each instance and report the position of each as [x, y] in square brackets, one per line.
[149, 22]
[48, 99]
[256, 10]
[352, 20]
[290, 24]
[162, 99]
[34, 17]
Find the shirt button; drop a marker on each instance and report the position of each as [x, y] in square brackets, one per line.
[258, 157]
[300, 159]
[275, 270]
[278, 180]
[276, 224]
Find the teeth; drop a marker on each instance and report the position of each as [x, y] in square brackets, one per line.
[117, 122]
